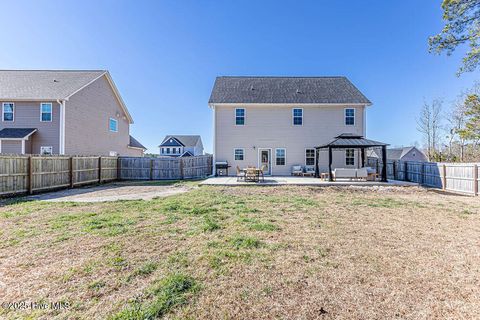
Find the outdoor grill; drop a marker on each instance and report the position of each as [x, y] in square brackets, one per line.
[221, 168]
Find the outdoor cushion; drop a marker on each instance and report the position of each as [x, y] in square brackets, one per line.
[345, 173]
[297, 168]
[362, 173]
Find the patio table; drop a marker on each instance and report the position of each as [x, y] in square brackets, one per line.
[252, 174]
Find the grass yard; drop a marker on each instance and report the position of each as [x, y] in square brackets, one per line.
[246, 253]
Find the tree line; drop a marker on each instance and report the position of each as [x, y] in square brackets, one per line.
[454, 134]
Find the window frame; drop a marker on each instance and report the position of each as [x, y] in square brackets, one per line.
[345, 116]
[244, 116]
[235, 154]
[293, 117]
[3, 111]
[41, 111]
[109, 123]
[314, 156]
[284, 157]
[347, 157]
[43, 147]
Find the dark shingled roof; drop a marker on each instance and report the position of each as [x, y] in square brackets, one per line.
[286, 90]
[135, 144]
[348, 140]
[16, 133]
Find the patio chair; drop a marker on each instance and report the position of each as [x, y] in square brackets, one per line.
[240, 174]
[297, 171]
[262, 169]
[309, 171]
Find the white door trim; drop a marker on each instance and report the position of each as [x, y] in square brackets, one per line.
[259, 163]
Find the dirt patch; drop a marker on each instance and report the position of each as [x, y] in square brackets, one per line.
[113, 192]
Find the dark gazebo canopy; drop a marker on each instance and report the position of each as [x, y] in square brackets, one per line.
[352, 141]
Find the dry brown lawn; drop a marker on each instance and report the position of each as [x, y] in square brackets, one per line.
[246, 253]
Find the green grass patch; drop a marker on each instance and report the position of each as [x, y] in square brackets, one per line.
[210, 224]
[171, 292]
[245, 242]
[108, 224]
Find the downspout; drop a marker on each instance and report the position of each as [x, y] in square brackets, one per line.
[61, 144]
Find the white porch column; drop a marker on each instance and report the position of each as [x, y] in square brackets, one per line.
[23, 146]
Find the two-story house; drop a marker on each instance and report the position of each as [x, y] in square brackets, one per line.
[277, 122]
[64, 112]
[181, 146]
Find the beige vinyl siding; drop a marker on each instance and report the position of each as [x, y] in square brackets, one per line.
[270, 126]
[87, 117]
[27, 115]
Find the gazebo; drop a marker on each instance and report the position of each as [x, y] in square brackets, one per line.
[351, 141]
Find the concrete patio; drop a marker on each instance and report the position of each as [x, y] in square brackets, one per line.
[300, 181]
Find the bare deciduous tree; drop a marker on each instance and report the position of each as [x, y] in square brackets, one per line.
[429, 124]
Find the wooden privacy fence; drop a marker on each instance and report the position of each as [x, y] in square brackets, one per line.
[29, 174]
[457, 177]
[134, 168]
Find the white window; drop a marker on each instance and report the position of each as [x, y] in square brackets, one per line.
[280, 157]
[239, 154]
[350, 157]
[168, 150]
[297, 114]
[349, 117]
[309, 157]
[45, 112]
[8, 109]
[113, 125]
[46, 150]
[240, 117]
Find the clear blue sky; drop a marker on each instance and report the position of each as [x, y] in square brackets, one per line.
[165, 55]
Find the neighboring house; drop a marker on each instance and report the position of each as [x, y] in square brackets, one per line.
[181, 146]
[403, 154]
[277, 122]
[64, 112]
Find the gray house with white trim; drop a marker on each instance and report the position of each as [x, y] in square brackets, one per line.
[276, 122]
[64, 112]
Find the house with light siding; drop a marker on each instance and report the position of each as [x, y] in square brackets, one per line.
[181, 146]
[73, 112]
[276, 122]
[411, 153]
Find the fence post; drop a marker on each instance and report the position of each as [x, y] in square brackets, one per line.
[475, 179]
[100, 169]
[181, 169]
[444, 177]
[394, 163]
[71, 172]
[30, 175]
[422, 173]
[119, 168]
[405, 171]
[151, 169]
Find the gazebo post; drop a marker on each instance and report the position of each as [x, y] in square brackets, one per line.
[363, 157]
[384, 160]
[317, 170]
[330, 173]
